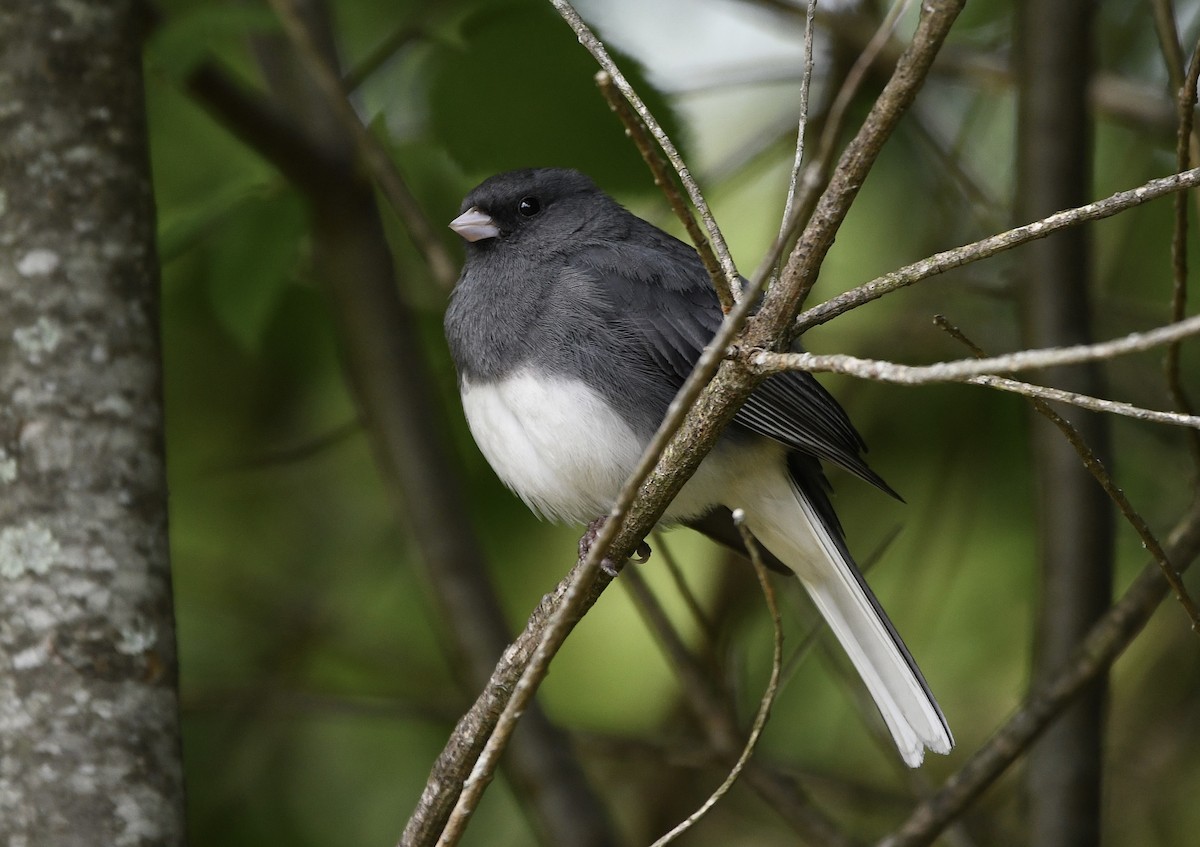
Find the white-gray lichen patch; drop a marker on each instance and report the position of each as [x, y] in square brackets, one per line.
[38, 262]
[30, 548]
[38, 339]
[113, 404]
[8, 468]
[141, 811]
[80, 154]
[137, 637]
[32, 657]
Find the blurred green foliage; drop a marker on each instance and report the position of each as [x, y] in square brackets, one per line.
[316, 686]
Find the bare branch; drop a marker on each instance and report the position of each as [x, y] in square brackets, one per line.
[800, 272]
[816, 175]
[685, 591]
[1168, 40]
[1095, 467]
[374, 157]
[730, 286]
[990, 246]
[1024, 360]
[1184, 149]
[636, 130]
[764, 708]
[1104, 643]
[714, 713]
[480, 721]
[1084, 401]
[802, 126]
[857, 74]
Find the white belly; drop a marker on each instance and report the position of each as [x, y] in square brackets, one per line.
[566, 453]
[553, 441]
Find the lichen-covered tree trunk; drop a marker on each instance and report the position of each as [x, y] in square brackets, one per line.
[89, 734]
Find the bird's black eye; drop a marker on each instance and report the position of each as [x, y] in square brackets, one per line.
[529, 206]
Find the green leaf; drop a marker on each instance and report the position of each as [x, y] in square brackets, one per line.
[520, 93]
[187, 38]
[252, 256]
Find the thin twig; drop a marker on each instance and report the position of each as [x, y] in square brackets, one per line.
[804, 262]
[857, 74]
[581, 587]
[1085, 401]
[1168, 41]
[981, 371]
[764, 708]
[1185, 141]
[986, 247]
[802, 125]
[709, 703]
[1092, 462]
[815, 177]
[1096, 468]
[729, 286]
[1024, 360]
[1104, 642]
[372, 154]
[636, 130]
[1166, 29]
[703, 694]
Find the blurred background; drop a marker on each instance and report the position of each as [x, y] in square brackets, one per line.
[319, 676]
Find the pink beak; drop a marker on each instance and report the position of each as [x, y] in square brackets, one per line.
[474, 225]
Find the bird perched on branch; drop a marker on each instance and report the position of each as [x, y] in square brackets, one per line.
[573, 325]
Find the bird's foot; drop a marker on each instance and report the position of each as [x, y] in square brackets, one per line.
[641, 553]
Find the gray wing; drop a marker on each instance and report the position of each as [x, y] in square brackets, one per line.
[665, 311]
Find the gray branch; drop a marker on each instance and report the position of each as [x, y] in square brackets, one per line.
[984, 371]
[947, 260]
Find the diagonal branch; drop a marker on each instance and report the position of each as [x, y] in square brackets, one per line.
[651, 155]
[768, 362]
[1184, 148]
[802, 124]
[986, 247]
[764, 708]
[1104, 643]
[713, 711]
[729, 285]
[771, 326]
[371, 152]
[387, 372]
[1095, 467]
[1084, 401]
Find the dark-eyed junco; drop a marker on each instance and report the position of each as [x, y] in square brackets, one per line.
[573, 325]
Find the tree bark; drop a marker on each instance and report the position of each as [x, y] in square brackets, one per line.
[89, 732]
[1075, 522]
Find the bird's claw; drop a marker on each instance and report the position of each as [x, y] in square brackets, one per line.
[641, 553]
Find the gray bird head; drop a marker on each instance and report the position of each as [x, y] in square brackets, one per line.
[529, 210]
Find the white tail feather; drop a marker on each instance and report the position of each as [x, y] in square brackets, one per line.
[807, 547]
